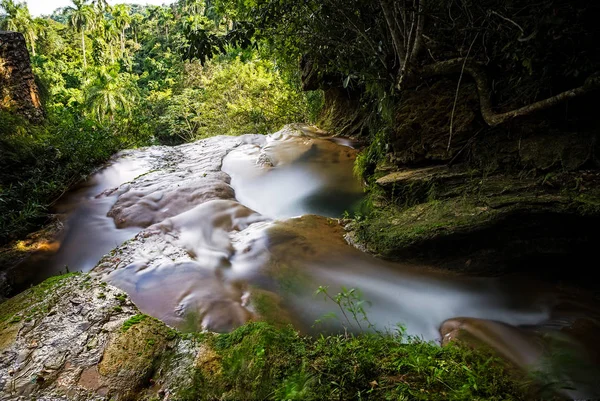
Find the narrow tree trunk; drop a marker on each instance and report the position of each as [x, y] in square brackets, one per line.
[397, 41]
[123, 43]
[83, 49]
[414, 52]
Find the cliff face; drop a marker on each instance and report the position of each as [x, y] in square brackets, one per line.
[18, 91]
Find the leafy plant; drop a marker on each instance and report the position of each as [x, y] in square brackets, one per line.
[351, 305]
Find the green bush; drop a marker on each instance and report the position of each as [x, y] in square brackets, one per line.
[233, 97]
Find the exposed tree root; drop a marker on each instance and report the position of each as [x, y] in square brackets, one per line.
[478, 74]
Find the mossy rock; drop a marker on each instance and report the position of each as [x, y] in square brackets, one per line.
[480, 224]
[342, 113]
[34, 301]
[131, 356]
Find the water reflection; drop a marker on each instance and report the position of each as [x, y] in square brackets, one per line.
[88, 233]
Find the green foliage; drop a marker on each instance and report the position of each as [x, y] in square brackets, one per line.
[233, 97]
[257, 361]
[110, 93]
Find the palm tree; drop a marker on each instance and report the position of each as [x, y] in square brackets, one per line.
[109, 93]
[82, 17]
[120, 13]
[109, 34]
[100, 5]
[17, 18]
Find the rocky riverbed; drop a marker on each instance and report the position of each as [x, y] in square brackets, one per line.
[203, 261]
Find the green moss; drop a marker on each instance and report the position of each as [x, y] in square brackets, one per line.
[127, 324]
[122, 298]
[34, 301]
[132, 356]
[587, 204]
[409, 208]
[258, 361]
[391, 228]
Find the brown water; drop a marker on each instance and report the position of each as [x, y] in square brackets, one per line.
[221, 249]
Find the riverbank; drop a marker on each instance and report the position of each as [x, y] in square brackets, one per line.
[199, 260]
[111, 351]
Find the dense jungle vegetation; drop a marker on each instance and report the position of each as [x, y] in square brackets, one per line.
[121, 77]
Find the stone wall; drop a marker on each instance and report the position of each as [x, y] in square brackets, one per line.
[18, 90]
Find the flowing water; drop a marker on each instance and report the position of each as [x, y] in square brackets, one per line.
[213, 258]
[87, 232]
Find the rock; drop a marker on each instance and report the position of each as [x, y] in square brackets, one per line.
[463, 220]
[535, 353]
[183, 178]
[69, 356]
[18, 90]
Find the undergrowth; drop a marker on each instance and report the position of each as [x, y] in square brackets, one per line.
[38, 163]
[258, 361]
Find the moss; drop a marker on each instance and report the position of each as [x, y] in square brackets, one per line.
[434, 213]
[122, 298]
[34, 301]
[258, 361]
[392, 228]
[127, 324]
[132, 356]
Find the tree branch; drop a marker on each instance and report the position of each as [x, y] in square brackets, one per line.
[397, 41]
[492, 118]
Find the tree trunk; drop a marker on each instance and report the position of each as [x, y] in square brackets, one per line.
[397, 41]
[83, 49]
[123, 43]
[32, 47]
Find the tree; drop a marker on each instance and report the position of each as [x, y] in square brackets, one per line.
[81, 18]
[100, 5]
[389, 44]
[120, 14]
[109, 34]
[109, 93]
[17, 18]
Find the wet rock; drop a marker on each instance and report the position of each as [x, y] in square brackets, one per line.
[533, 352]
[50, 356]
[189, 175]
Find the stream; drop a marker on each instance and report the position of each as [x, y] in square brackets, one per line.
[209, 235]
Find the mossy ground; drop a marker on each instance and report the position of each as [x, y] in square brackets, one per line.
[258, 361]
[30, 303]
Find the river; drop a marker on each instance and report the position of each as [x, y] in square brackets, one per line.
[210, 235]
